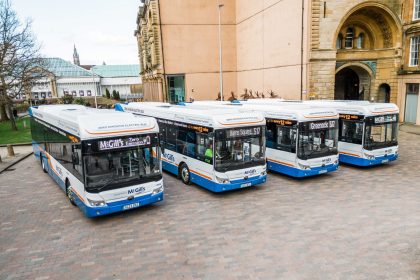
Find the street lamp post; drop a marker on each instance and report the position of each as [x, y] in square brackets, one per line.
[94, 88]
[220, 6]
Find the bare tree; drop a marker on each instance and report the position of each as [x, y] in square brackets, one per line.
[20, 60]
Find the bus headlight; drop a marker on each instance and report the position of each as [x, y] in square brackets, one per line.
[222, 180]
[369, 156]
[96, 203]
[158, 190]
[263, 173]
[303, 166]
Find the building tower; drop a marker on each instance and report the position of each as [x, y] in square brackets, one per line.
[76, 59]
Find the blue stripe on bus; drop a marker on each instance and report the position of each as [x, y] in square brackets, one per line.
[366, 162]
[213, 186]
[172, 168]
[299, 173]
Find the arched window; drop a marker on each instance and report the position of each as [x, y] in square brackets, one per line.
[361, 41]
[349, 38]
[339, 43]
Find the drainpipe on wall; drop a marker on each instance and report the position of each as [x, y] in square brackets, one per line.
[164, 91]
[301, 51]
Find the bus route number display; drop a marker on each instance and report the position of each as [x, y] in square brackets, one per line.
[120, 143]
[243, 132]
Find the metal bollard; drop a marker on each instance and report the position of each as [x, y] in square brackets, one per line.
[10, 151]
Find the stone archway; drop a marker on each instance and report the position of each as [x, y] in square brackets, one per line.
[353, 82]
[384, 93]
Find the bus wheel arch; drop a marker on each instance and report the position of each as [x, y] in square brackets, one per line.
[184, 173]
[69, 192]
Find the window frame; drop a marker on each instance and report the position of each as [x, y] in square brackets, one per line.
[412, 44]
[347, 38]
[416, 10]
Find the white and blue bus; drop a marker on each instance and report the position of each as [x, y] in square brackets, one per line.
[218, 149]
[105, 161]
[301, 140]
[368, 132]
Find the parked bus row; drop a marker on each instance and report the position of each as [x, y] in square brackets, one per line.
[108, 161]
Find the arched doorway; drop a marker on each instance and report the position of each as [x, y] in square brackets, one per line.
[384, 93]
[347, 85]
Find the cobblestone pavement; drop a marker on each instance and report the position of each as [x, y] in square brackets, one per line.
[352, 224]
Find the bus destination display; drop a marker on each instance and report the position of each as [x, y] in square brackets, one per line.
[243, 132]
[119, 143]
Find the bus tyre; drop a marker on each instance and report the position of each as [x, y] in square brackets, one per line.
[69, 193]
[185, 174]
[43, 164]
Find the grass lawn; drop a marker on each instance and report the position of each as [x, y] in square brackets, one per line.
[8, 136]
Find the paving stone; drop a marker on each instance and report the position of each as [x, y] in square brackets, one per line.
[356, 223]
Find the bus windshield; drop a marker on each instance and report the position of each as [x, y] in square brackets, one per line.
[116, 169]
[239, 148]
[317, 139]
[381, 132]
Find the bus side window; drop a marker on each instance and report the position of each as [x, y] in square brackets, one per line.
[171, 134]
[77, 160]
[191, 144]
[202, 144]
[181, 141]
[270, 135]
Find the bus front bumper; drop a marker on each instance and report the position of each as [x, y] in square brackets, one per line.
[300, 173]
[122, 205]
[367, 162]
[233, 185]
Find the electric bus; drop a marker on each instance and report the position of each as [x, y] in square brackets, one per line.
[368, 132]
[105, 161]
[301, 141]
[218, 149]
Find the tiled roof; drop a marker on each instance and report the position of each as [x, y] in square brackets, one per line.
[111, 71]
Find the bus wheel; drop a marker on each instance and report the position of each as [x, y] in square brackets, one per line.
[185, 174]
[43, 164]
[69, 193]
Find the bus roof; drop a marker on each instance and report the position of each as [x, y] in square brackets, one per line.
[89, 123]
[204, 115]
[356, 107]
[298, 112]
[364, 108]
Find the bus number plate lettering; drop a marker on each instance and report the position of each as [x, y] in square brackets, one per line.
[131, 206]
[245, 185]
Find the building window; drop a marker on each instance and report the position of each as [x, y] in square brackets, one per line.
[414, 51]
[339, 43]
[416, 9]
[349, 38]
[361, 41]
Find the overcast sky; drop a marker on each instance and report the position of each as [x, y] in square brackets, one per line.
[103, 30]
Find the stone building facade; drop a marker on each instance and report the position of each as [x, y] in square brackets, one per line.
[329, 49]
[409, 72]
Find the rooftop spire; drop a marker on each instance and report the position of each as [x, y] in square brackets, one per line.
[76, 59]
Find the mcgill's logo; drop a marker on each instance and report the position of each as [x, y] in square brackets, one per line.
[136, 190]
[252, 171]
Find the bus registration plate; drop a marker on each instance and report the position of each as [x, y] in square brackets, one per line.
[385, 161]
[131, 206]
[322, 171]
[245, 185]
